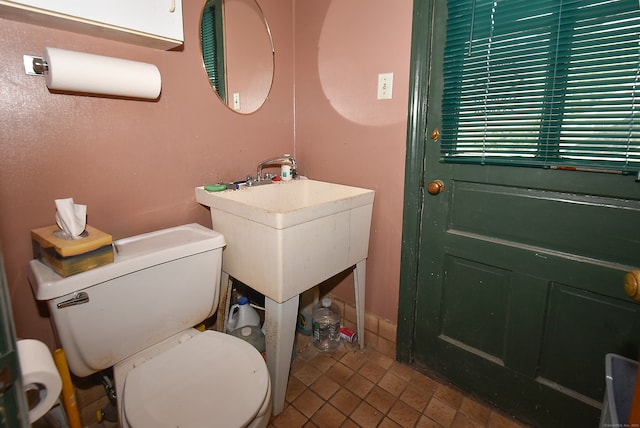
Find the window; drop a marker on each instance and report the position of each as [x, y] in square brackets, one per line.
[543, 83]
[211, 38]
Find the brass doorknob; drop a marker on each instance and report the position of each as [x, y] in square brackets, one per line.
[632, 284]
[435, 187]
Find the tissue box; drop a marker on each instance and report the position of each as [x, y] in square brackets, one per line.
[70, 256]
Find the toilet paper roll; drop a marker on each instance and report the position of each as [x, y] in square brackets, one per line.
[39, 371]
[96, 74]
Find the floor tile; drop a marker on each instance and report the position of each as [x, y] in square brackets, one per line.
[340, 373]
[353, 360]
[449, 395]
[349, 424]
[372, 371]
[289, 418]
[345, 401]
[366, 416]
[426, 422]
[463, 421]
[392, 384]
[475, 410]
[416, 397]
[498, 420]
[424, 382]
[402, 371]
[322, 362]
[440, 412]
[378, 358]
[359, 385]
[351, 388]
[325, 387]
[380, 399]
[405, 415]
[328, 417]
[306, 373]
[388, 423]
[308, 403]
[294, 388]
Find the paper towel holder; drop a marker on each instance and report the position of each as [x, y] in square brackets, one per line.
[80, 73]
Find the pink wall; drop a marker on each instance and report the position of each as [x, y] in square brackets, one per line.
[343, 133]
[248, 54]
[135, 163]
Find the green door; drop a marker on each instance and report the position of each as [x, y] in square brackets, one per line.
[13, 411]
[512, 280]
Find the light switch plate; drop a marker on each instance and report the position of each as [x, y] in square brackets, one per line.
[385, 86]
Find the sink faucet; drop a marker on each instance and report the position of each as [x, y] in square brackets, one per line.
[286, 159]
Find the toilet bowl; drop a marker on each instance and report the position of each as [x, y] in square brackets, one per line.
[218, 380]
[136, 315]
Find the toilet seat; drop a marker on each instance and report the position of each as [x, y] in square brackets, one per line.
[211, 379]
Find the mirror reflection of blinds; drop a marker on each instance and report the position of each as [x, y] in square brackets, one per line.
[211, 38]
[543, 83]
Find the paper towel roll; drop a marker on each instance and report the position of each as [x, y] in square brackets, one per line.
[96, 74]
[39, 371]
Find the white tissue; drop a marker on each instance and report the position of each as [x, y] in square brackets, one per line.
[71, 218]
[39, 372]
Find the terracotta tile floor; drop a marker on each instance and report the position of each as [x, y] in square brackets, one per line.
[353, 388]
[350, 388]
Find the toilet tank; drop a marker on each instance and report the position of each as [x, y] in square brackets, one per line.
[159, 284]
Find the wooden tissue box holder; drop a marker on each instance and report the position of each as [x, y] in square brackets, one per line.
[71, 256]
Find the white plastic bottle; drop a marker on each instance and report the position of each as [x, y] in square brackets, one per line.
[326, 326]
[241, 315]
[286, 170]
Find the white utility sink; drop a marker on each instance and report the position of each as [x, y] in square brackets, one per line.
[285, 238]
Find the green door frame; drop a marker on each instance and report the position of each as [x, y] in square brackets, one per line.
[14, 411]
[422, 27]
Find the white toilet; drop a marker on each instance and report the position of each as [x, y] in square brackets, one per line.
[136, 315]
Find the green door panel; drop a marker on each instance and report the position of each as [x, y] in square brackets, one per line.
[581, 328]
[474, 307]
[560, 221]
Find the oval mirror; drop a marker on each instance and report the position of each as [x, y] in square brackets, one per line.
[237, 52]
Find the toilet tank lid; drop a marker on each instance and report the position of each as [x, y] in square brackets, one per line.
[131, 254]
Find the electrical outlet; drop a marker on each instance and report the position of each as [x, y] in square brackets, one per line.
[236, 100]
[385, 86]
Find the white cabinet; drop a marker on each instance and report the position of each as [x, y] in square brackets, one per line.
[153, 23]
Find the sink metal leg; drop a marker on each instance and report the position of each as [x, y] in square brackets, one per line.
[226, 284]
[280, 328]
[359, 279]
